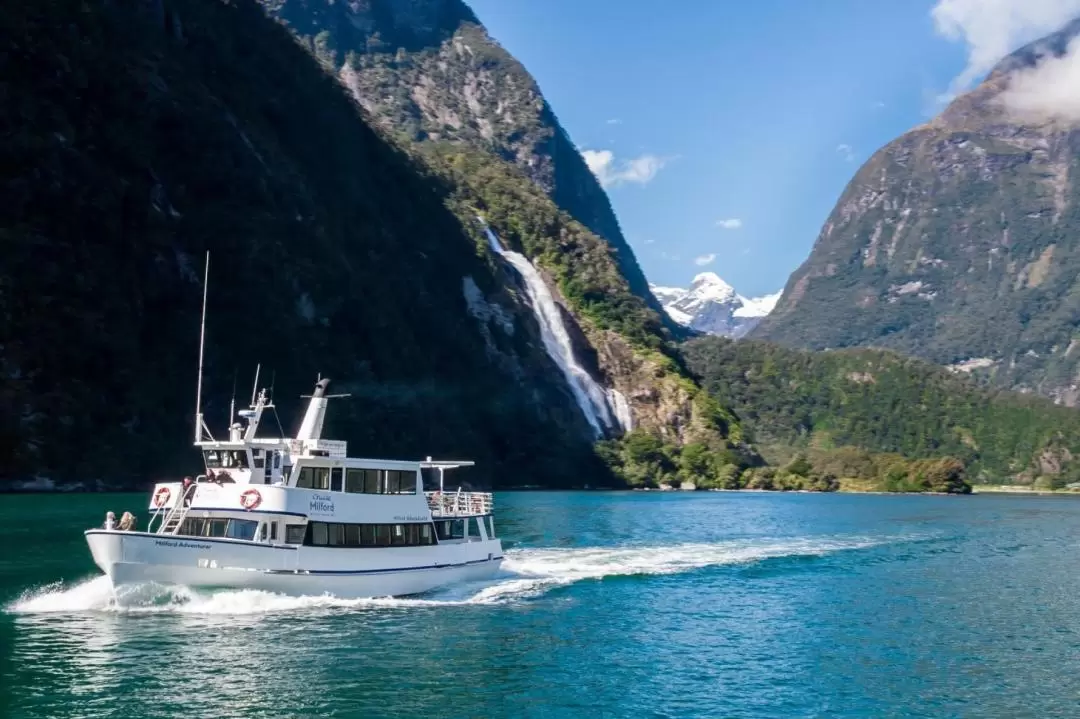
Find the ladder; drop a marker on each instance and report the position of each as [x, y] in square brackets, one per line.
[176, 515]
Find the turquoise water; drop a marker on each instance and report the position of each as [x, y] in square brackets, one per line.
[611, 605]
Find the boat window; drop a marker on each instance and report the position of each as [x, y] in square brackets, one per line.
[241, 529]
[320, 478]
[294, 533]
[277, 460]
[352, 535]
[336, 534]
[371, 481]
[264, 532]
[450, 529]
[335, 479]
[216, 527]
[213, 458]
[400, 482]
[354, 480]
[368, 535]
[258, 460]
[304, 479]
[273, 531]
[397, 535]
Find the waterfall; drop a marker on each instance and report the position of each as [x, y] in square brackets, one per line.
[604, 409]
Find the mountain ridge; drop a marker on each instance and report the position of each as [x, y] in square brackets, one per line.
[956, 241]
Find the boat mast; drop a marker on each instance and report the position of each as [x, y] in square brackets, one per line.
[202, 341]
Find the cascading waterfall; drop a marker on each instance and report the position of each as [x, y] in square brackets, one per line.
[603, 408]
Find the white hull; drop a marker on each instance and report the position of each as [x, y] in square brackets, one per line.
[135, 557]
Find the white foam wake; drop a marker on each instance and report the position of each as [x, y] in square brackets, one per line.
[526, 573]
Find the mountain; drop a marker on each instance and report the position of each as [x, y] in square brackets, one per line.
[139, 134]
[712, 306]
[427, 70]
[869, 413]
[959, 242]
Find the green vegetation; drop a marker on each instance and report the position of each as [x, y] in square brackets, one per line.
[642, 460]
[881, 402]
[131, 145]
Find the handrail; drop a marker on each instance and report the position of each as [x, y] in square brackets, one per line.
[459, 504]
[178, 506]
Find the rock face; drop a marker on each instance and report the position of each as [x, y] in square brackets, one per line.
[712, 306]
[958, 242]
[427, 69]
[131, 150]
[137, 141]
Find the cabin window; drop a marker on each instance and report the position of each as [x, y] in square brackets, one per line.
[216, 527]
[335, 479]
[241, 529]
[320, 478]
[294, 533]
[226, 458]
[371, 481]
[352, 535]
[336, 534]
[273, 531]
[397, 535]
[450, 529]
[258, 462]
[368, 535]
[305, 478]
[264, 531]
[354, 480]
[277, 460]
[400, 482]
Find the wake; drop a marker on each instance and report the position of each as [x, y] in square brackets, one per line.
[525, 573]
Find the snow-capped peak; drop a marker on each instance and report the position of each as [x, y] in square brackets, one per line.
[712, 305]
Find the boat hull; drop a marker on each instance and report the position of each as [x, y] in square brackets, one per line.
[136, 557]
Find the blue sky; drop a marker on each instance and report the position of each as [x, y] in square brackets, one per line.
[733, 127]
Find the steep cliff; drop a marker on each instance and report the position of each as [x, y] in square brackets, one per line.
[428, 69]
[132, 142]
[138, 134]
[958, 242]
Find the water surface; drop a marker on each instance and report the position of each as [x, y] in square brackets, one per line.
[611, 605]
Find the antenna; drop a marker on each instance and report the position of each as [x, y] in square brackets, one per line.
[202, 342]
[232, 401]
[255, 387]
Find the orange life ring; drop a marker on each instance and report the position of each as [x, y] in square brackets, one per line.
[161, 497]
[250, 499]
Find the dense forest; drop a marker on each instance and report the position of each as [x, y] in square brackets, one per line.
[876, 401]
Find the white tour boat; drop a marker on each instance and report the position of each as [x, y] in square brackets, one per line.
[299, 516]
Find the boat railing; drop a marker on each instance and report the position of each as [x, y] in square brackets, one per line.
[459, 504]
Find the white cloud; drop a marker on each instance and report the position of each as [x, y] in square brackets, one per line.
[614, 121]
[1047, 91]
[612, 172]
[879, 103]
[992, 29]
[845, 151]
[704, 260]
[732, 223]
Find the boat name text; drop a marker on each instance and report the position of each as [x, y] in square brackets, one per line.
[180, 544]
[321, 504]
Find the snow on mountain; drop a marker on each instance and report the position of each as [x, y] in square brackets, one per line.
[713, 306]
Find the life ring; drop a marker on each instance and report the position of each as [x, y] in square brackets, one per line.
[161, 497]
[250, 499]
